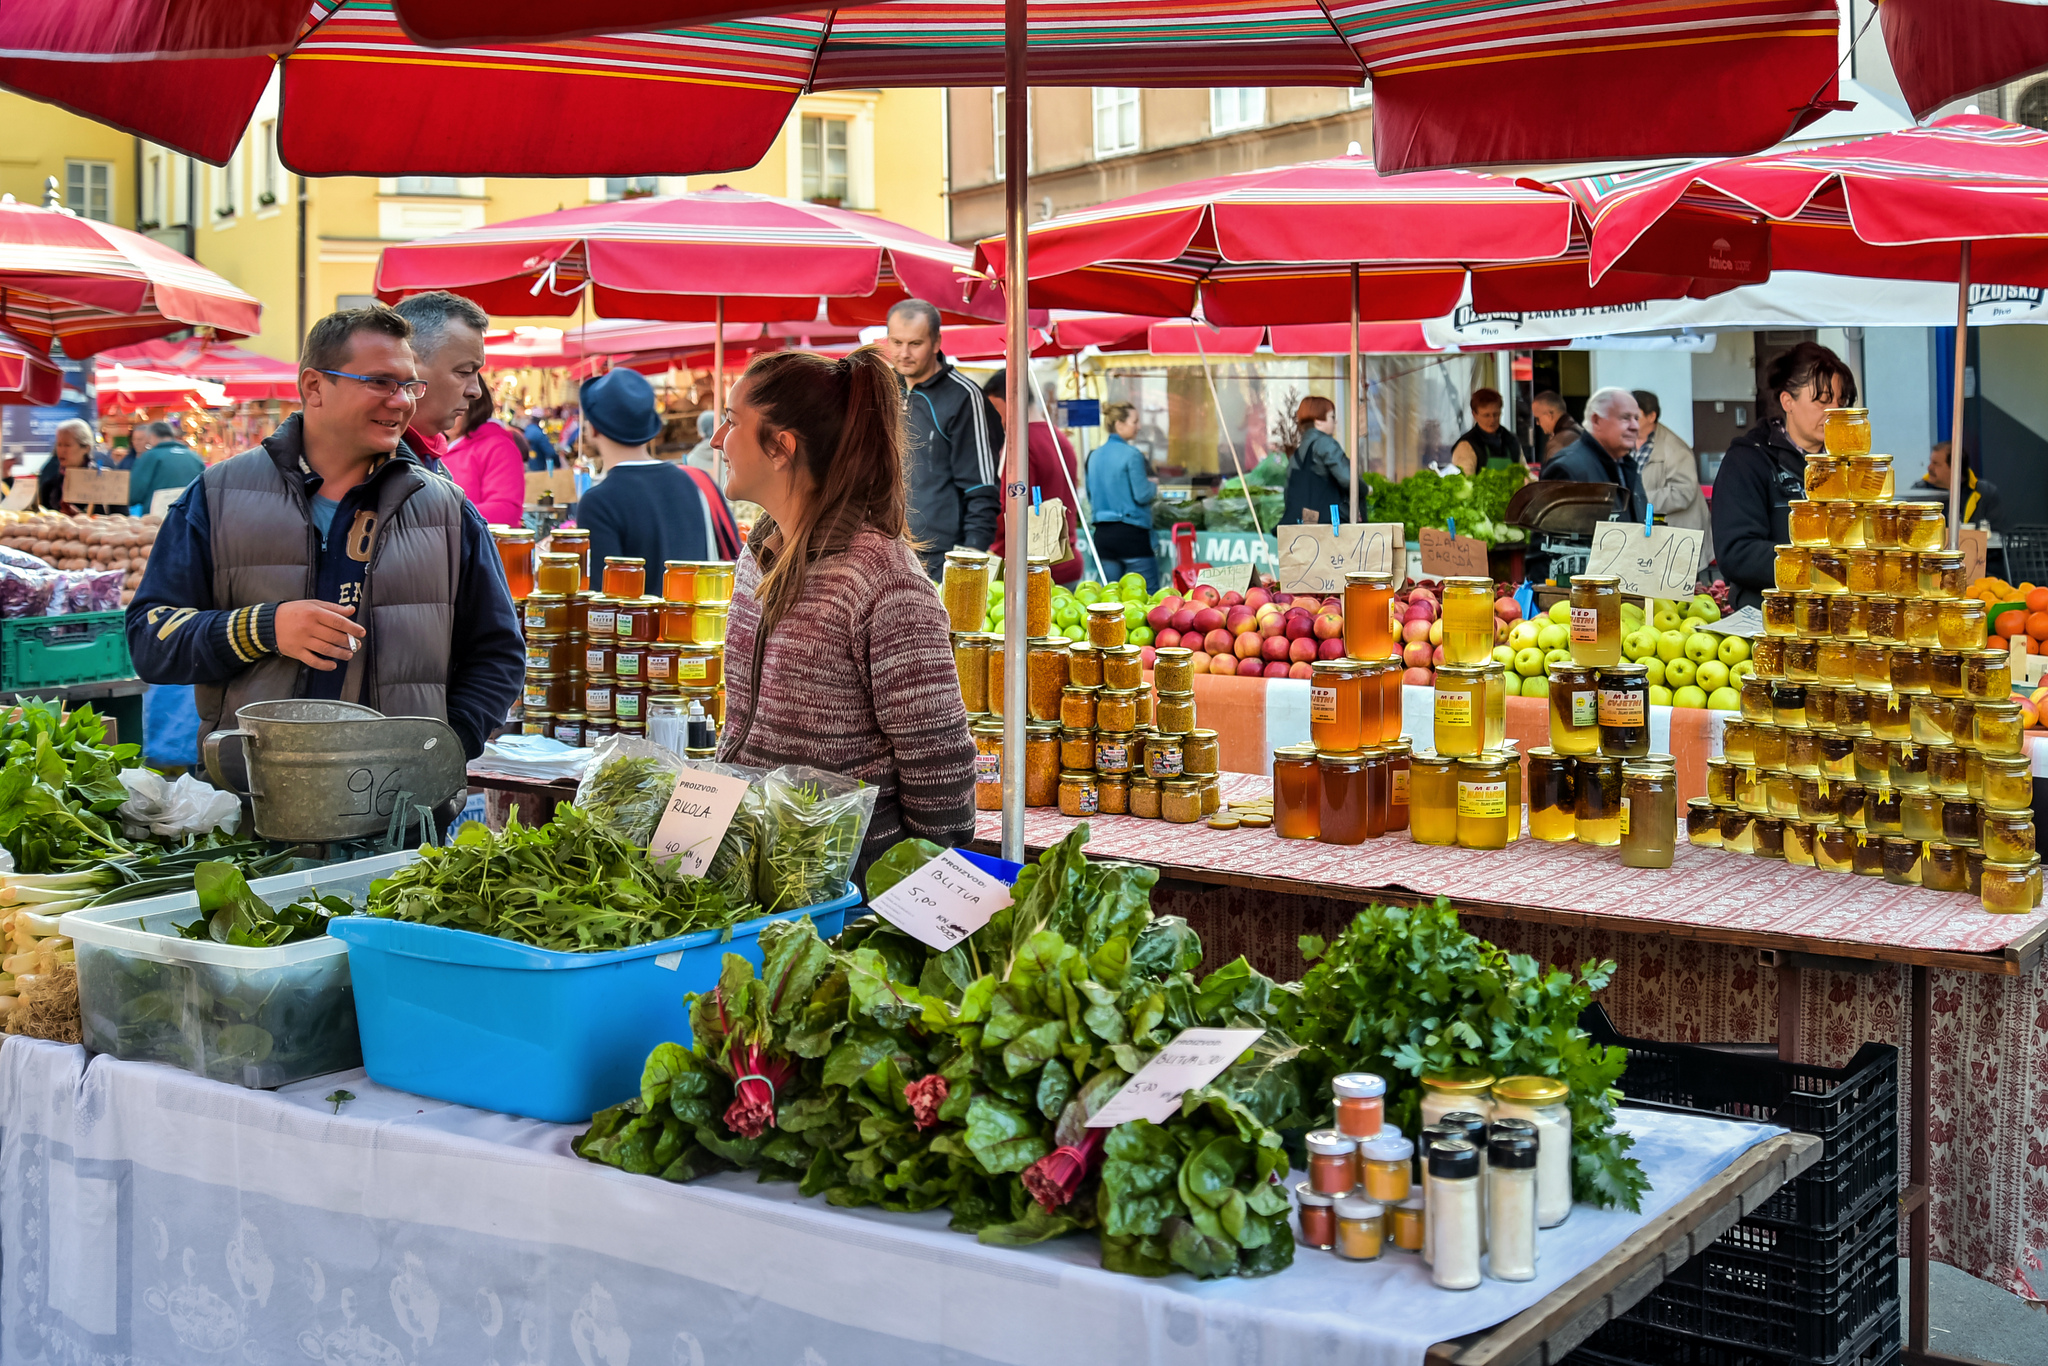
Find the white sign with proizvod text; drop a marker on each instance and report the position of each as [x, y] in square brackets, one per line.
[1663, 564]
[699, 810]
[943, 902]
[1226, 576]
[1195, 1058]
[21, 494]
[1315, 559]
[1746, 622]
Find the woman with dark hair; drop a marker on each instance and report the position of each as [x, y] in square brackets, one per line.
[838, 653]
[1318, 473]
[1486, 444]
[484, 461]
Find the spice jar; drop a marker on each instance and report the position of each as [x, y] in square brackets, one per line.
[1483, 807]
[1077, 793]
[988, 764]
[1077, 749]
[1361, 1103]
[625, 576]
[970, 663]
[2009, 888]
[1037, 598]
[1361, 1228]
[1145, 797]
[1432, 798]
[1163, 756]
[1922, 526]
[1115, 752]
[1317, 1215]
[1454, 1215]
[1792, 570]
[1106, 626]
[1596, 619]
[1553, 795]
[1597, 819]
[1084, 664]
[1385, 1166]
[1846, 431]
[1045, 662]
[1201, 753]
[1123, 669]
[1112, 794]
[1574, 708]
[1180, 800]
[1807, 520]
[1077, 707]
[1175, 713]
[1173, 669]
[1368, 605]
[1117, 709]
[1649, 816]
[1870, 479]
[1332, 1162]
[1404, 1224]
[1297, 793]
[963, 586]
[515, 553]
[1512, 1182]
[1624, 710]
[1702, 823]
[1041, 764]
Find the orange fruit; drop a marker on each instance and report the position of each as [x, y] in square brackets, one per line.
[2037, 625]
[1997, 643]
[2037, 601]
[2012, 623]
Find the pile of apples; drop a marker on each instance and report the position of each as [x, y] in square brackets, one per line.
[1256, 633]
[1690, 664]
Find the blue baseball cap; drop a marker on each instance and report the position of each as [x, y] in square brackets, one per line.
[620, 405]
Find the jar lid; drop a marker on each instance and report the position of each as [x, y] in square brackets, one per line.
[1122, 651]
[1462, 670]
[1104, 609]
[536, 715]
[572, 717]
[1179, 652]
[1163, 740]
[560, 557]
[1656, 760]
[1459, 1081]
[501, 532]
[1699, 803]
[1358, 1086]
[1358, 1207]
[1635, 769]
[1077, 775]
[1182, 695]
[1201, 735]
[1466, 581]
[1180, 785]
[1628, 671]
[1515, 1154]
[989, 725]
[1339, 665]
[1597, 580]
[1077, 732]
[1369, 578]
[1340, 756]
[1330, 1143]
[1466, 1125]
[1565, 667]
[625, 559]
[1309, 1195]
[1083, 647]
[549, 598]
[1143, 780]
[1058, 643]
[1511, 1127]
[1531, 1090]
[1488, 762]
[960, 557]
[1042, 729]
[1081, 689]
[541, 676]
[1387, 1148]
[1413, 1203]
[1848, 412]
[1947, 557]
[1396, 748]
[1453, 1159]
[1872, 456]
[1301, 751]
[1108, 733]
[2000, 708]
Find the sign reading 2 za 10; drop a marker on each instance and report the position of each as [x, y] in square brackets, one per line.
[1315, 559]
[1663, 564]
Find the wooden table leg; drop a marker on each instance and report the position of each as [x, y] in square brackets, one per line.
[1788, 1010]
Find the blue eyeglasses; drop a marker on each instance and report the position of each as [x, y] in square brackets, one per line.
[383, 386]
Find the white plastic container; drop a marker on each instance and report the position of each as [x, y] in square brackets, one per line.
[255, 1017]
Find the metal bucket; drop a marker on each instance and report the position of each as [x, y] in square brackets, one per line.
[321, 771]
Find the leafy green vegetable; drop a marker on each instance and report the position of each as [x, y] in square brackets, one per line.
[230, 913]
[626, 795]
[59, 780]
[1403, 992]
[810, 839]
[1425, 498]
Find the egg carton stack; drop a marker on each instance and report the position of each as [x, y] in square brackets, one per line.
[1879, 734]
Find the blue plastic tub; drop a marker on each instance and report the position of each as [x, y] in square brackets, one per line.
[483, 1021]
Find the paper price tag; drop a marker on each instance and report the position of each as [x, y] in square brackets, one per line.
[1663, 564]
[1232, 576]
[1975, 543]
[1195, 1058]
[943, 902]
[1746, 622]
[83, 487]
[1448, 556]
[1315, 559]
[559, 484]
[21, 494]
[160, 501]
[699, 810]
[1046, 532]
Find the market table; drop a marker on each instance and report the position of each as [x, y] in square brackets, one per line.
[149, 1215]
[1854, 959]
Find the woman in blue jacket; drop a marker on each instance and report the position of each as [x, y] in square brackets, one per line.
[1121, 494]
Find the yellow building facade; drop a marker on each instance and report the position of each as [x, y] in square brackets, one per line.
[874, 151]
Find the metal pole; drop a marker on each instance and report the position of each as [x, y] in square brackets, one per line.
[1955, 422]
[718, 384]
[1016, 432]
[1359, 417]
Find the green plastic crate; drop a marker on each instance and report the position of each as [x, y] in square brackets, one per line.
[55, 652]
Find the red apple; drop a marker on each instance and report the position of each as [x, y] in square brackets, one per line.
[1329, 626]
[1257, 598]
[1331, 649]
[1160, 617]
[1217, 642]
[1273, 626]
[1301, 651]
[1146, 654]
[1167, 638]
[1417, 678]
[1239, 620]
[1436, 655]
[1278, 669]
[1300, 670]
[1246, 645]
[1275, 647]
[1222, 664]
[1507, 609]
[1300, 624]
[1208, 619]
[1232, 598]
[1183, 620]
[1414, 630]
[1173, 602]
[1208, 593]
[1500, 630]
[1283, 599]
[1416, 655]
[1200, 663]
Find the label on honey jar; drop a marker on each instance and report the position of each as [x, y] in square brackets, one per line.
[1585, 709]
[1454, 708]
[626, 664]
[536, 620]
[691, 668]
[1482, 799]
[659, 667]
[1322, 704]
[988, 768]
[594, 660]
[1624, 815]
[1400, 797]
[1112, 756]
[603, 621]
[1621, 708]
[1585, 626]
[540, 657]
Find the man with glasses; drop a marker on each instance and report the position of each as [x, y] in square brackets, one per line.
[328, 563]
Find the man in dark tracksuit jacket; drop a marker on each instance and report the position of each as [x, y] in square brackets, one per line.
[956, 442]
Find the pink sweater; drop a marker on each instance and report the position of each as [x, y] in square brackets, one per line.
[857, 679]
[485, 465]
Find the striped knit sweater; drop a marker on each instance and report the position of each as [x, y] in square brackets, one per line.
[858, 680]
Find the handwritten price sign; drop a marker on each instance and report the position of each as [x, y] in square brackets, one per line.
[943, 902]
[1315, 559]
[693, 826]
[1663, 564]
[1445, 556]
[1229, 576]
[1195, 1058]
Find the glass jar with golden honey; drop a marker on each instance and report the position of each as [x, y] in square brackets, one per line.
[1827, 479]
[1792, 570]
[1846, 431]
[1624, 710]
[1922, 526]
[1297, 793]
[1873, 666]
[634, 622]
[1432, 798]
[1460, 709]
[625, 576]
[1941, 575]
[1834, 849]
[1597, 815]
[1596, 619]
[1778, 612]
[1869, 478]
[1484, 810]
[2008, 783]
[1649, 816]
[1848, 617]
[1811, 613]
[963, 586]
[515, 554]
[1768, 832]
[1468, 618]
[1368, 602]
[1702, 823]
[1934, 719]
[1807, 521]
[1802, 659]
[1845, 525]
[1962, 623]
[1737, 830]
[1996, 727]
[1897, 572]
[1987, 675]
[1553, 795]
[1885, 618]
[1862, 572]
[1767, 653]
[558, 573]
[1835, 662]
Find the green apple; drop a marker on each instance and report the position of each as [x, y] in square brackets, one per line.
[1725, 699]
[1522, 635]
[1678, 672]
[1665, 619]
[1670, 645]
[1554, 637]
[1536, 687]
[1734, 649]
[1711, 674]
[1689, 697]
[1653, 672]
[1701, 646]
[1529, 662]
[1640, 645]
[1504, 655]
[1141, 635]
[1738, 672]
[1134, 616]
[1561, 612]
[1086, 592]
[1555, 656]
[1660, 696]
[1704, 607]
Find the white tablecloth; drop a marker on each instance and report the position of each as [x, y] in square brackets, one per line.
[148, 1216]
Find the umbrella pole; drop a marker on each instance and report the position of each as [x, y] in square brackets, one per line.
[1016, 476]
[1955, 422]
[1358, 414]
[718, 383]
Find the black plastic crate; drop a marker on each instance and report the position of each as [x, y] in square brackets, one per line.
[1632, 1342]
[1860, 1160]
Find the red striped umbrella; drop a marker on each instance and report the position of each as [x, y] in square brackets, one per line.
[244, 374]
[27, 376]
[1460, 82]
[93, 285]
[1942, 50]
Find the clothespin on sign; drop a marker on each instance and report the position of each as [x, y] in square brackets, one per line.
[1525, 598]
[1452, 523]
[1649, 511]
[1036, 503]
[1335, 520]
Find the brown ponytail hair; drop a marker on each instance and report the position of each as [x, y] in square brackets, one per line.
[847, 420]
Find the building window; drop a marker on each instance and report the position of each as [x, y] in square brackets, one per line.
[428, 184]
[227, 184]
[266, 163]
[1236, 107]
[1116, 120]
[153, 207]
[89, 189]
[824, 164]
[1361, 96]
[1002, 118]
[2032, 106]
[631, 187]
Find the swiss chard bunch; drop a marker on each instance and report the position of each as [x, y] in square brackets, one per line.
[59, 779]
[1403, 992]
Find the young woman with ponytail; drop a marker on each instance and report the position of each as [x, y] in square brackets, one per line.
[837, 650]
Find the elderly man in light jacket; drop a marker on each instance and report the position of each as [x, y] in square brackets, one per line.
[1671, 476]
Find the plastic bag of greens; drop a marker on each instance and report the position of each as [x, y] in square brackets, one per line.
[813, 826]
[627, 786]
[735, 867]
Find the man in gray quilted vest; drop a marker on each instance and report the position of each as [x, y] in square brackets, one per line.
[329, 563]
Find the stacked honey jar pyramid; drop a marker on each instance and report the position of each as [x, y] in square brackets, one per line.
[1878, 735]
[1094, 740]
[604, 656]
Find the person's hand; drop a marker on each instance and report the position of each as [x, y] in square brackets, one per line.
[317, 633]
